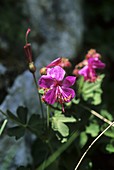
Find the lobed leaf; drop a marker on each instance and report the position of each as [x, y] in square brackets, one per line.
[22, 114]
[17, 131]
[110, 147]
[93, 129]
[58, 123]
[91, 92]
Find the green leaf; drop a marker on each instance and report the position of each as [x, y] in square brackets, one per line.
[22, 114]
[35, 121]
[58, 121]
[12, 116]
[109, 132]
[106, 114]
[68, 104]
[93, 129]
[41, 91]
[17, 131]
[61, 117]
[62, 129]
[76, 101]
[36, 124]
[80, 83]
[83, 139]
[110, 147]
[91, 92]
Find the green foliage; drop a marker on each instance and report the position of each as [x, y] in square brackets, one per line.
[92, 129]
[12, 117]
[106, 114]
[83, 139]
[91, 92]
[21, 120]
[17, 131]
[22, 114]
[109, 132]
[58, 123]
[110, 146]
[34, 124]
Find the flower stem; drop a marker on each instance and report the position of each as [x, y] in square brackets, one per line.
[48, 115]
[92, 145]
[38, 95]
[97, 115]
[59, 151]
[3, 126]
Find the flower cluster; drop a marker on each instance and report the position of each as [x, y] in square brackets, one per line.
[87, 68]
[56, 86]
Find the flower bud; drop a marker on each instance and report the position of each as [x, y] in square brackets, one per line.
[28, 52]
[32, 67]
[43, 71]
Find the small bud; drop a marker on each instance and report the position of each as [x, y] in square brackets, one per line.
[75, 72]
[65, 63]
[43, 71]
[92, 54]
[32, 67]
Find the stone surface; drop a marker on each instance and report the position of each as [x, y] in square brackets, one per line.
[3, 69]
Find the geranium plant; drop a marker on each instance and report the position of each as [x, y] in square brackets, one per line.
[69, 99]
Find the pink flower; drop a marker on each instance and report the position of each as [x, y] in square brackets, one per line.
[54, 63]
[56, 86]
[89, 70]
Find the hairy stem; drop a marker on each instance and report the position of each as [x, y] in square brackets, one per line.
[92, 145]
[3, 126]
[97, 115]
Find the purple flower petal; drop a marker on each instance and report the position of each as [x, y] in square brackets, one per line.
[57, 73]
[96, 63]
[50, 97]
[88, 73]
[54, 63]
[45, 81]
[84, 71]
[68, 94]
[69, 81]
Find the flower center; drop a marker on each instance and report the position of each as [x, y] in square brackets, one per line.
[57, 83]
